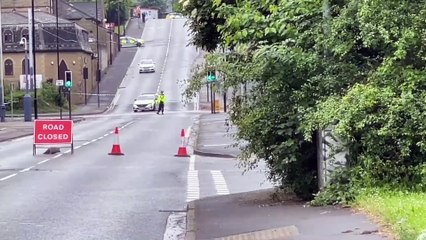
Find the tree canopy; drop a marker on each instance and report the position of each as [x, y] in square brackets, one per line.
[356, 65]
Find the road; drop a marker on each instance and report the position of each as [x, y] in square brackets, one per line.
[91, 195]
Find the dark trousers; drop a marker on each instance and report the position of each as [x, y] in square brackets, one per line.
[161, 108]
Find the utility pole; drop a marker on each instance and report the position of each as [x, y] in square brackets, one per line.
[27, 97]
[34, 58]
[322, 175]
[98, 71]
[57, 58]
[2, 106]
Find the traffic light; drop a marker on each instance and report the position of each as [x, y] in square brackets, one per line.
[211, 76]
[68, 79]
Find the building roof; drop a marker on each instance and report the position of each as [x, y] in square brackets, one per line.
[81, 10]
[72, 37]
[21, 18]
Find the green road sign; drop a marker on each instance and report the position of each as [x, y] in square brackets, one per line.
[211, 77]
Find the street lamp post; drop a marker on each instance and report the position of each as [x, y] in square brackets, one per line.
[2, 106]
[57, 58]
[34, 58]
[98, 71]
[110, 45]
[27, 97]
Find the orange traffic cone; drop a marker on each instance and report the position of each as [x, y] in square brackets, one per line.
[116, 150]
[182, 149]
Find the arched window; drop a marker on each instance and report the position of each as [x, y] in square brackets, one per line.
[25, 33]
[23, 66]
[8, 67]
[8, 36]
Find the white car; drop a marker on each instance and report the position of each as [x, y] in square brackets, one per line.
[146, 65]
[145, 102]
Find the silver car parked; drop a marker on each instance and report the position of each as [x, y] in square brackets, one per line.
[145, 102]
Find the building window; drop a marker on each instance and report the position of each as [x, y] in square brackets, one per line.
[8, 67]
[8, 36]
[23, 66]
[25, 33]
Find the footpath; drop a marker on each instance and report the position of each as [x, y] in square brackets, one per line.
[256, 215]
[111, 80]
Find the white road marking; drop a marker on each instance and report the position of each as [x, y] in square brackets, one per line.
[217, 145]
[46, 160]
[21, 139]
[94, 140]
[165, 59]
[99, 138]
[219, 182]
[59, 155]
[10, 176]
[192, 163]
[106, 135]
[85, 144]
[26, 169]
[67, 151]
[176, 227]
[193, 191]
[78, 147]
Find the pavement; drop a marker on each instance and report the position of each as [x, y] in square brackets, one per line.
[255, 214]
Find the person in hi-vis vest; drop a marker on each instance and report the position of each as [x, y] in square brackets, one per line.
[161, 100]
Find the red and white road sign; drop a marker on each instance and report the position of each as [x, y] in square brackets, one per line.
[53, 131]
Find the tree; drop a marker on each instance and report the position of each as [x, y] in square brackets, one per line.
[160, 4]
[204, 20]
[361, 70]
[113, 6]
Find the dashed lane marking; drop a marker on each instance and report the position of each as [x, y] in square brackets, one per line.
[165, 59]
[45, 160]
[219, 182]
[59, 155]
[7, 177]
[26, 169]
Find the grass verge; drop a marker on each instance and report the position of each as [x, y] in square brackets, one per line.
[404, 212]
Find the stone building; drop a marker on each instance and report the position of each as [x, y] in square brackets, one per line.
[23, 5]
[75, 53]
[84, 14]
[77, 41]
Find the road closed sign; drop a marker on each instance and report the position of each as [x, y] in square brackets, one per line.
[53, 131]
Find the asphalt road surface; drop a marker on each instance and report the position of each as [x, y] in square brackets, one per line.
[90, 194]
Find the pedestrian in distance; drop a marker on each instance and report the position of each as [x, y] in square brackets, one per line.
[161, 100]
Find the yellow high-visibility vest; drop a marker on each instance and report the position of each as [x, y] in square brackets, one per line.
[161, 99]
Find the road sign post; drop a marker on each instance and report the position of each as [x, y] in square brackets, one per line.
[53, 132]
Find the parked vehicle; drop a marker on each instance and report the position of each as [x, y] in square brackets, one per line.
[145, 102]
[127, 41]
